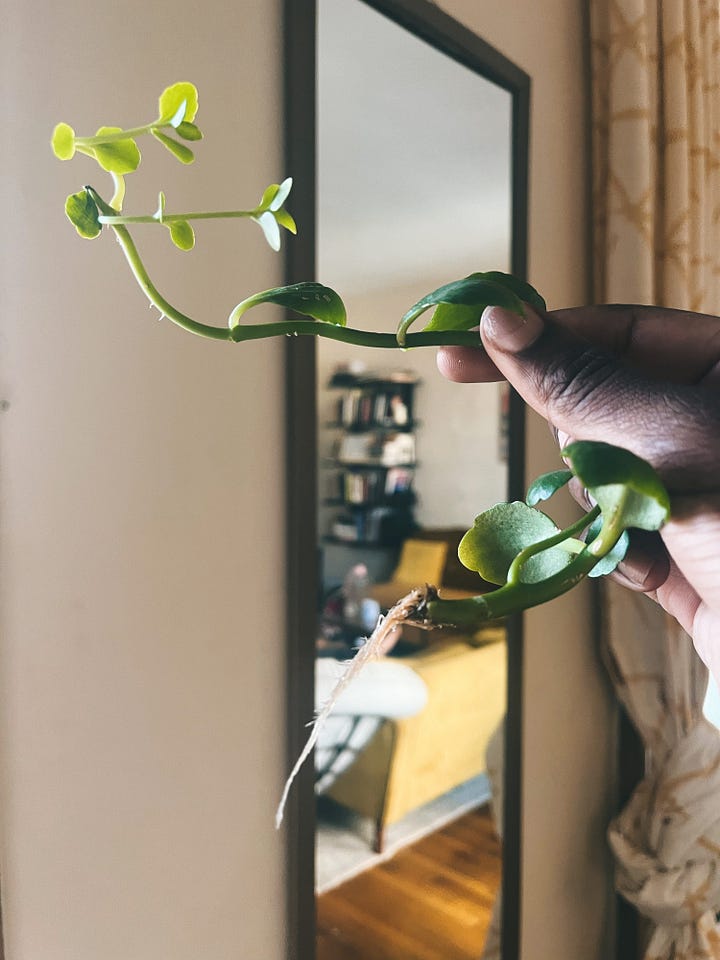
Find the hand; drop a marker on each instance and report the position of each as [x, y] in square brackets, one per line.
[644, 378]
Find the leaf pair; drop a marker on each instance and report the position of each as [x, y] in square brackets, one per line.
[459, 305]
[270, 214]
[628, 492]
[181, 233]
[116, 150]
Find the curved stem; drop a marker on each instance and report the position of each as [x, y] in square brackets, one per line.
[521, 559]
[261, 331]
[151, 292]
[513, 597]
[510, 598]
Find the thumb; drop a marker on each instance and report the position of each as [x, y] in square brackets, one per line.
[587, 394]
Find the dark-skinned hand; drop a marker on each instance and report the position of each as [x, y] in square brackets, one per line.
[644, 378]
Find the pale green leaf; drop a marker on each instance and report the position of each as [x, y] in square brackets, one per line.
[117, 156]
[188, 131]
[270, 228]
[269, 194]
[184, 154]
[285, 220]
[63, 141]
[281, 194]
[171, 101]
[183, 235]
[500, 533]
[159, 214]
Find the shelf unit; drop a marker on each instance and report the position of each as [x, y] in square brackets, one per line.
[371, 475]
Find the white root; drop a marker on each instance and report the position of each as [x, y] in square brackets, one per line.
[410, 607]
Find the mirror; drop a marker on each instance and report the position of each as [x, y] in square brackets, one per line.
[420, 174]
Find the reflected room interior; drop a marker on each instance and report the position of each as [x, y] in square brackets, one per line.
[408, 770]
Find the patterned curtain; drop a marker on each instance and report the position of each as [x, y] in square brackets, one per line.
[656, 199]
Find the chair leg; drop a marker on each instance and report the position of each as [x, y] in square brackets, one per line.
[379, 842]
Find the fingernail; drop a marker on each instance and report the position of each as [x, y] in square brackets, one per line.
[508, 330]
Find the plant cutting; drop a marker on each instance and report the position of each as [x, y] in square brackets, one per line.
[514, 545]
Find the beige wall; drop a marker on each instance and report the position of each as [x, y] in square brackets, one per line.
[142, 554]
[569, 717]
[140, 654]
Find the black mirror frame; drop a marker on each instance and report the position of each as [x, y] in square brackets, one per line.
[428, 22]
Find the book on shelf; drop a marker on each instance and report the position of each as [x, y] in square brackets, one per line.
[384, 449]
[380, 404]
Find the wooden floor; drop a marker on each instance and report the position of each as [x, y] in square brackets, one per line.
[432, 901]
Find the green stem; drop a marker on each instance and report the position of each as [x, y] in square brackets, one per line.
[261, 331]
[154, 296]
[121, 135]
[361, 338]
[521, 559]
[514, 597]
[114, 221]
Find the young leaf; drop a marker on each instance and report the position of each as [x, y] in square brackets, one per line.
[179, 150]
[628, 490]
[171, 101]
[159, 214]
[281, 194]
[82, 212]
[479, 290]
[500, 533]
[183, 235]
[188, 131]
[179, 116]
[270, 228]
[309, 299]
[63, 141]
[269, 194]
[117, 156]
[455, 316]
[285, 220]
[546, 485]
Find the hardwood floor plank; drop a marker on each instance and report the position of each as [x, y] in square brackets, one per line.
[431, 901]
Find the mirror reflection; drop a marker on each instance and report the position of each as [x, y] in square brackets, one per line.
[408, 854]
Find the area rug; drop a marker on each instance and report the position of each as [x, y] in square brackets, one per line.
[343, 847]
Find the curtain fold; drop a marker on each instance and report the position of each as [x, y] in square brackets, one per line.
[656, 239]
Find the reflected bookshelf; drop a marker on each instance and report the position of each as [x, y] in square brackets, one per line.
[370, 475]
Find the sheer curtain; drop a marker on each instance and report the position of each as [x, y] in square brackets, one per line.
[656, 219]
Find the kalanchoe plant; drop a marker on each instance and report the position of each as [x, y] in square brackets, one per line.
[513, 545]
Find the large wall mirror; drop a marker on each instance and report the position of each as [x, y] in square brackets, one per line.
[407, 137]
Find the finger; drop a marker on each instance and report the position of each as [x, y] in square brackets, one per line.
[672, 345]
[467, 365]
[646, 565]
[588, 394]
